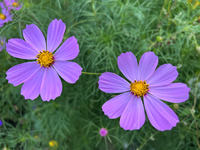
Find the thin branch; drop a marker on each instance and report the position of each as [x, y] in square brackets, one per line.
[158, 26]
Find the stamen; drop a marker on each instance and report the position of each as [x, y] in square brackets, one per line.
[45, 58]
[2, 16]
[1, 43]
[139, 88]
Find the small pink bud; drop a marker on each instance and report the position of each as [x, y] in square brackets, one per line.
[103, 132]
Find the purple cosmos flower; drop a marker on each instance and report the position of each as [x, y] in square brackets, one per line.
[103, 132]
[1, 123]
[147, 83]
[5, 16]
[12, 4]
[41, 76]
[2, 43]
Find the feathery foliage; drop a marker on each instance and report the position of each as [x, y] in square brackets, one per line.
[104, 29]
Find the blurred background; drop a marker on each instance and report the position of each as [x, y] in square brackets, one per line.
[104, 29]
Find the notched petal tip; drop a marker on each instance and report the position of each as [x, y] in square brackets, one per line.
[163, 75]
[170, 128]
[147, 65]
[69, 71]
[160, 115]
[128, 65]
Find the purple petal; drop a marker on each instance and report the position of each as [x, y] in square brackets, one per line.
[174, 92]
[127, 63]
[34, 36]
[161, 116]
[55, 34]
[8, 18]
[8, 2]
[22, 72]
[147, 65]
[68, 50]
[31, 88]
[3, 8]
[164, 75]
[51, 85]
[1, 48]
[2, 5]
[69, 71]
[133, 116]
[114, 107]
[112, 83]
[20, 49]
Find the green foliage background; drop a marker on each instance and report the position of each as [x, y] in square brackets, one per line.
[104, 29]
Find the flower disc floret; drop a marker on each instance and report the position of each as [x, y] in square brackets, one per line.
[139, 88]
[45, 58]
[2, 16]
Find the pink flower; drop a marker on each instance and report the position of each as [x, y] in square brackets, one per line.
[5, 16]
[12, 4]
[2, 43]
[41, 76]
[103, 132]
[147, 85]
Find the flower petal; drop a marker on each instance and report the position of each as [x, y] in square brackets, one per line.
[112, 83]
[147, 65]
[55, 34]
[31, 88]
[20, 49]
[127, 63]
[22, 72]
[114, 107]
[161, 116]
[3, 9]
[68, 50]
[51, 85]
[69, 71]
[164, 75]
[133, 116]
[174, 92]
[35, 37]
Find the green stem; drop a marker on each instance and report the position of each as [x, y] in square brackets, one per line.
[91, 73]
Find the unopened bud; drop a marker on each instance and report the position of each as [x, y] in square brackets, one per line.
[159, 38]
[103, 132]
[175, 106]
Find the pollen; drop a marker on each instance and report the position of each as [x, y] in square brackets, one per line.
[139, 88]
[15, 4]
[45, 58]
[2, 16]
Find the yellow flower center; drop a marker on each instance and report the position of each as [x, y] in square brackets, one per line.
[53, 143]
[2, 16]
[15, 4]
[45, 58]
[139, 88]
[1, 42]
